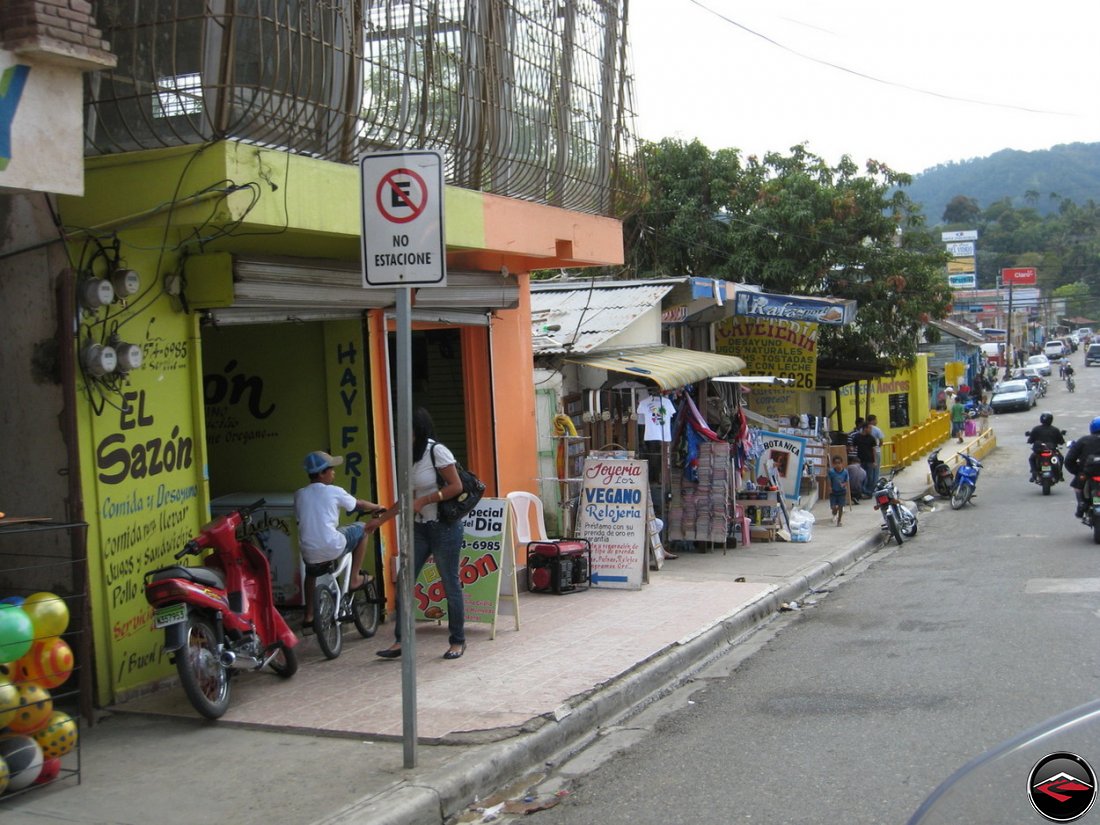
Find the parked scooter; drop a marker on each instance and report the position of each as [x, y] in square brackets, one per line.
[942, 480]
[221, 617]
[966, 481]
[897, 519]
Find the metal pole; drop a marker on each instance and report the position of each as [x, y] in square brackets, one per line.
[405, 580]
[1011, 349]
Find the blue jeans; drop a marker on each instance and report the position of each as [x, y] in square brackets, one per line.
[443, 542]
[872, 478]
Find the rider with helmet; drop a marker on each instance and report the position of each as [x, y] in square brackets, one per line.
[1078, 456]
[1045, 433]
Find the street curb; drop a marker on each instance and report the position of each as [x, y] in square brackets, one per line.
[433, 798]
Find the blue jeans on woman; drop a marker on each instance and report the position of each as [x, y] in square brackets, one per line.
[443, 542]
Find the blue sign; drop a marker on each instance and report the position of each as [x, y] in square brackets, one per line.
[794, 308]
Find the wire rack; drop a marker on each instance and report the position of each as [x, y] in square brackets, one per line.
[526, 98]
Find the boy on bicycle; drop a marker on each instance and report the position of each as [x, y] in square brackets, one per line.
[320, 536]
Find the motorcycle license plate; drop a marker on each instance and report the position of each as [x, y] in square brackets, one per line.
[172, 614]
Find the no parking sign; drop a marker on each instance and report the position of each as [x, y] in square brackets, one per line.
[402, 203]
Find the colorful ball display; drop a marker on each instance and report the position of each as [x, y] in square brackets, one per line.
[16, 632]
[24, 758]
[35, 707]
[48, 663]
[51, 768]
[58, 737]
[5, 775]
[16, 600]
[48, 613]
[9, 702]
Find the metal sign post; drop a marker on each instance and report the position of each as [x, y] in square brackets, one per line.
[403, 247]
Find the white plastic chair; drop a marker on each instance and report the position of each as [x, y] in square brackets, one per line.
[528, 529]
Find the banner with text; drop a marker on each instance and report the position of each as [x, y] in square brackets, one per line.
[614, 498]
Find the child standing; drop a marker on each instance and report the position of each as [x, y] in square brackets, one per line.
[838, 488]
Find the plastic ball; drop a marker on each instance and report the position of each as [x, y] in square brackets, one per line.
[9, 702]
[50, 770]
[24, 758]
[16, 600]
[49, 663]
[16, 632]
[58, 737]
[34, 709]
[5, 775]
[49, 614]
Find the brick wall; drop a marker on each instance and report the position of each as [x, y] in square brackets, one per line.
[56, 31]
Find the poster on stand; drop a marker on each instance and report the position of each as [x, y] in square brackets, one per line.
[785, 454]
[614, 504]
[486, 558]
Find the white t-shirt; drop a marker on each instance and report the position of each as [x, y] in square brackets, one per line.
[423, 476]
[317, 508]
[657, 411]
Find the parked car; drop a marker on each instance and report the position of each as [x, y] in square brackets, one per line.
[1092, 355]
[1034, 377]
[1040, 361]
[1012, 395]
[1054, 349]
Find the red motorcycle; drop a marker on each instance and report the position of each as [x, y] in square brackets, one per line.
[220, 618]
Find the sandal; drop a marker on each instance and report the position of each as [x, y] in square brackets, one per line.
[367, 579]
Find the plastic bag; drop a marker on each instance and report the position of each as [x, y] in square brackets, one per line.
[802, 524]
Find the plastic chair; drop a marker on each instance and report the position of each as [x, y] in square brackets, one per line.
[742, 523]
[528, 529]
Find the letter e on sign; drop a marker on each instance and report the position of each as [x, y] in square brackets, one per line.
[402, 210]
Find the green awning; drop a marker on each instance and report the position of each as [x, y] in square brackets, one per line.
[668, 367]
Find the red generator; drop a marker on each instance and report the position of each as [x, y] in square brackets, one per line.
[563, 566]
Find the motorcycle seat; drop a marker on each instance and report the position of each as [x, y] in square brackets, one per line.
[199, 575]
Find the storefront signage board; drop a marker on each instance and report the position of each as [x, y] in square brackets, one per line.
[487, 569]
[793, 308]
[787, 349]
[614, 503]
[787, 455]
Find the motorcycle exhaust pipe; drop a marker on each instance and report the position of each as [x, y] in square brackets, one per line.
[231, 661]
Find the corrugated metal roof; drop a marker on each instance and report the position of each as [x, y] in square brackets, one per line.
[587, 317]
[668, 367]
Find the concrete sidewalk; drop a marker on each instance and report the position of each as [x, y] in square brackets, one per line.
[325, 746]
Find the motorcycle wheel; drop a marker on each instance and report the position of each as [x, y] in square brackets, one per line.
[330, 636]
[285, 662]
[1095, 531]
[1046, 486]
[365, 609]
[204, 680]
[892, 526]
[960, 496]
[908, 522]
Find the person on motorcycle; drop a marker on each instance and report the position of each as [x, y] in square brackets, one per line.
[1045, 433]
[1079, 453]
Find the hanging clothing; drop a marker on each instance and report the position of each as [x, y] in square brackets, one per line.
[657, 412]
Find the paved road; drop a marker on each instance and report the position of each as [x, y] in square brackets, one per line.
[855, 708]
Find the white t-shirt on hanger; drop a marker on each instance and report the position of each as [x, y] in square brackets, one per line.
[657, 411]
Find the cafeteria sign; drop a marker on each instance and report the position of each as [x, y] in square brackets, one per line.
[787, 349]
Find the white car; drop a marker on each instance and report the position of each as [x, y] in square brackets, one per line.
[1040, 361]
[1054, 349]
[1012, 395]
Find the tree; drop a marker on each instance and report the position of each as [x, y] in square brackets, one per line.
[792, 224]
[961, 209]
[1076, 296]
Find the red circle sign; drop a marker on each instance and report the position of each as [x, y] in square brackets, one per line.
[398, 185]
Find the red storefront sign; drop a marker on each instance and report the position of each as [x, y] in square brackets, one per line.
[1021, 276]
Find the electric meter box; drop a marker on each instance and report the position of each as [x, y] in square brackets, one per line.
[276, 522]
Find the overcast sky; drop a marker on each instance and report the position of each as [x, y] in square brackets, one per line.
[908, 84]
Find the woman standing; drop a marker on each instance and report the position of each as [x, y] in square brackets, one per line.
[432, 536]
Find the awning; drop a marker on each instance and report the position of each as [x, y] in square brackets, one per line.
[668, 367]
[768, 380]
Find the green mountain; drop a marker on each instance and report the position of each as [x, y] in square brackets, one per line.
[1067, 171]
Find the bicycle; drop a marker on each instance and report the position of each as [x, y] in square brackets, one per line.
[334, 606]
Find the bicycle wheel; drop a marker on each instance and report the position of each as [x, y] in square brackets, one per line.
[330, 636]
[365, 609]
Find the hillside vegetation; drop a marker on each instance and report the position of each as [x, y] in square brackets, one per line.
[1038, 179]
